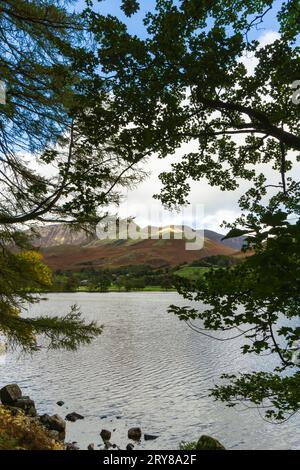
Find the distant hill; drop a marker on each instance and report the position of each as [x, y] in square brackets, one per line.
[65, 249]
[59, 234]
[235, 243]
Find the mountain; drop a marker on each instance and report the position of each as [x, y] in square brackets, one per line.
[65, 249]
[235, 243]
[58, 234]
[156, 253]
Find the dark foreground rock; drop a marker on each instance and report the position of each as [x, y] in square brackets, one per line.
[91, 447]
[10, 393]
[54, 423]
[130, 446]
[47, 429]
[27, 405]
[74, 417]
[135, 434]
[71, 446]
[105, 434]
[209, 443]
[19, 431]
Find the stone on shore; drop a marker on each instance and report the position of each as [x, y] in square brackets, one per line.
[74, 417]
[135, 434]
[27, 405]
[55, 425]
[55, 422]
[105, 434]
[209, 443]
[71, 446]
[10, 393]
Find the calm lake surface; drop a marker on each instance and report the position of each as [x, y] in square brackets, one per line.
[147, 369]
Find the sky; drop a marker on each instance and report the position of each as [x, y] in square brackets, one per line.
[135, 23]
[217, 206]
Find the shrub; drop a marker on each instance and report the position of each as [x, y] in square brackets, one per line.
[19, 432]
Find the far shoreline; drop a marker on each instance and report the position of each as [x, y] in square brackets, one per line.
[122, 291]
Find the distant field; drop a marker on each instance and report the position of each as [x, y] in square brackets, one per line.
[117, 289]
[191, 272]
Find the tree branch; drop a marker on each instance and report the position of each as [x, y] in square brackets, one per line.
[289, 139]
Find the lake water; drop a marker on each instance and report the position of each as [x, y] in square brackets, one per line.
[147, 369]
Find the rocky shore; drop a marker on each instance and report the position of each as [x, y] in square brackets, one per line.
[21, 427]
[54, 426]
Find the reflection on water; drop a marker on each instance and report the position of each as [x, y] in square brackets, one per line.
[147, 369]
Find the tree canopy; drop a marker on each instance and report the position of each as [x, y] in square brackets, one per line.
[55, 165]
[186, 81]
[87, 100]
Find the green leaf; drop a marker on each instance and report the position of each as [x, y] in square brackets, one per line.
[130, 7]
[235, 232]
[274, 219]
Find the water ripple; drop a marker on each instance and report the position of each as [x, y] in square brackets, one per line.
[147, 369]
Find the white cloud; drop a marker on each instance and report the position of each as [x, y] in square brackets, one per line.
[249, 60]
[214, 221]
[218, 205]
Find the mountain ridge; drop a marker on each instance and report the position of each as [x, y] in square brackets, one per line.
[66, 249]
[61, 234]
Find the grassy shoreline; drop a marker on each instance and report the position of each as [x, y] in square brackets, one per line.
[111, 289]
[188, 272]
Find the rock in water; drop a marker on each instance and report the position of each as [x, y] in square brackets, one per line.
[149, 437]
[74, 417]
[91, 447]
[130, 446]
[209, 443]
[105, 434]
[135, 434]
[10, 393]
[60, 403]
